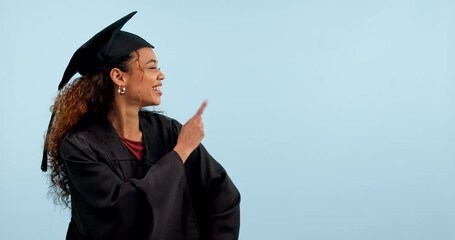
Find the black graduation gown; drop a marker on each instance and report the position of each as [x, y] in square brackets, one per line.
[115, 196]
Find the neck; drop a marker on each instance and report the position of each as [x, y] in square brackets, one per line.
[125, 119]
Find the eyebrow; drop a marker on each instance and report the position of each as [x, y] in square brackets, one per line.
[151, 61]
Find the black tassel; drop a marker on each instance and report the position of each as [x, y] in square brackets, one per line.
[45, 150]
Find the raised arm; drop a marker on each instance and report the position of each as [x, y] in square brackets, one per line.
[215, 198]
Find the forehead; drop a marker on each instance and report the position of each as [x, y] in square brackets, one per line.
[147, 55]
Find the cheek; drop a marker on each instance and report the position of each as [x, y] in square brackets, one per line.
[147, 84]
[150, 79]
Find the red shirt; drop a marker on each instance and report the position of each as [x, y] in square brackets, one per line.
[135, 147]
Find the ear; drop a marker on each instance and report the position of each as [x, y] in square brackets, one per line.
[118, 77]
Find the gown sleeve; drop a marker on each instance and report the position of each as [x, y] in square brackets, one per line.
[106, 207]
[215, 198]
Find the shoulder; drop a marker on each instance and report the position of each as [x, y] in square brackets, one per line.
[88, 136]
[157, 127]
[92, 130]
[75, 143]
[77, 135]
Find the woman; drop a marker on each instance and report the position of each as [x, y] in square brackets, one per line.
[128, 173]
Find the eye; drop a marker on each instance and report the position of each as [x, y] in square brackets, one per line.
[154, 68]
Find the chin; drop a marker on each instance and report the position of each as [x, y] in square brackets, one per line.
[151, 103]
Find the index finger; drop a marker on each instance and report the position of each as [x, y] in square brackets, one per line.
[201, 108]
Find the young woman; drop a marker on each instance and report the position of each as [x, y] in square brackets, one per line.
[128, 173]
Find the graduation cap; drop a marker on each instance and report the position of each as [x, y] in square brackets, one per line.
[105, 47]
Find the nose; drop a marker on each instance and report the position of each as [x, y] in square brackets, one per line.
[161, 75]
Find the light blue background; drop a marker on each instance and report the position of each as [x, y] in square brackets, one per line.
[336, 119]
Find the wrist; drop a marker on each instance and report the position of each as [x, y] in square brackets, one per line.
[182, 153]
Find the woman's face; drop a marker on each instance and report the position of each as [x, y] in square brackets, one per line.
[143, 86]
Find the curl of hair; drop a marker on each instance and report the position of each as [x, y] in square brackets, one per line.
[85, 98]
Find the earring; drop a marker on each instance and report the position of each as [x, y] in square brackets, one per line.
[121, 90]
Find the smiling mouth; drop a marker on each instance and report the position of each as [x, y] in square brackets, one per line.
[158, 89]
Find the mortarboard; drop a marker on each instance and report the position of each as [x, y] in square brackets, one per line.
[105, 47]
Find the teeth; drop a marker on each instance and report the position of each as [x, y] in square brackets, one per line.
[157, 88]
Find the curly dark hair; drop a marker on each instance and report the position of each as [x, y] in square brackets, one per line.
[86, 97]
